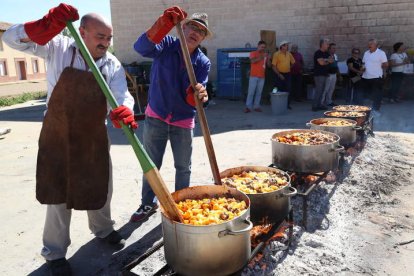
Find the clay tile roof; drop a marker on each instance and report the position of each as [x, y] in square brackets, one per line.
[4, 25]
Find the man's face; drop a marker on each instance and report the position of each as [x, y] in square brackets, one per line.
[372, 46]
[194, 34]
[332, 50]
[284, 47]
[261, 47]
[294, 49]
[97, 37]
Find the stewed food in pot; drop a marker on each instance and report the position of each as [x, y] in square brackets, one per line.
[309, 138]
[251, 182]
[360, 108]
[346, 114]
[337, 123]
[208, 211]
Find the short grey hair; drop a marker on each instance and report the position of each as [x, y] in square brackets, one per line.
[373, 40]
[323, 40]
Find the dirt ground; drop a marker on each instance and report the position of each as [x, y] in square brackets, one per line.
[354, 226]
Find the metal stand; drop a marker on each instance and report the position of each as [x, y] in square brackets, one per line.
[304, 191]
[166, 270]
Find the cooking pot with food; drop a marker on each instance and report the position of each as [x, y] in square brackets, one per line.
[269, 191]
[358, 116]
[355, 108]
[306, 151]
[215, 249]
[346, 129]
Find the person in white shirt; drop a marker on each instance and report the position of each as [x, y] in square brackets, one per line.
[375, 62]
[74, 168]
[397, 62]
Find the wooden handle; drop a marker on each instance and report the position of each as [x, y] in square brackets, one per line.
[163, 195]
[199, 106]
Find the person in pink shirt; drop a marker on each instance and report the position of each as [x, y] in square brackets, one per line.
[296, 73]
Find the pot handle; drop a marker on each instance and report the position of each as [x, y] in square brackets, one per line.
[238, 232]
[338, 148]
[308, 124]
[292, 193]
[357, 128]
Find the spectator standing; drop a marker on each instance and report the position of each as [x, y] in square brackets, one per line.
[282, 62]
[257, 77]
[333, 72]
[321, 60]
[397, 62]
[296, 73]
[375, 62]
[355, 71]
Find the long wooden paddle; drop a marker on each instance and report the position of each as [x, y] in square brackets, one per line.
[199, 106]
[150, 170]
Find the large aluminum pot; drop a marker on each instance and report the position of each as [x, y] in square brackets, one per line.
[347, 134]
[305, 158]
[359, 119]
[219, 249]
[357, 108]
[266, 207]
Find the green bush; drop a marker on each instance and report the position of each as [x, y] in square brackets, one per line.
[11, 100]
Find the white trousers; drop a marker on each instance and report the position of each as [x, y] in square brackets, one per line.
[56, 234]
[329, 89]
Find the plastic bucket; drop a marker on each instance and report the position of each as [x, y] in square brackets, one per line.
[279, 102]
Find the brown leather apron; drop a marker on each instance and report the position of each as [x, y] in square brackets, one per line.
[73, 157]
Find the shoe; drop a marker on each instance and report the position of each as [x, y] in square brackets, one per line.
[322, 107]
[289, 107]
[247, 110]
[59, 267]
[258, 109]
[332, 104]
[114, 238]
[143, 212]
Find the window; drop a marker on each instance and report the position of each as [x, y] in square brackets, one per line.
[3, 68]
[35, 64]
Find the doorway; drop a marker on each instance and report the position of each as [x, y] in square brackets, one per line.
[21, 69]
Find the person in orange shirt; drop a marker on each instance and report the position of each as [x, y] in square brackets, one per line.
[282, 61]
[257, 77]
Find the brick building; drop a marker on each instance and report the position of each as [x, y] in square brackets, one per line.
[349, 23]
[16, 65]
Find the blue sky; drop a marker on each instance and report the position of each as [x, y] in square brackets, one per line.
[20, 11]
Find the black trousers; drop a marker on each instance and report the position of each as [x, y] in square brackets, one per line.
[373, 88]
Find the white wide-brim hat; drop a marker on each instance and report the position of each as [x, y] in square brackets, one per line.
[201, 19]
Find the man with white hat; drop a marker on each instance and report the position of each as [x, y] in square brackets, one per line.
[171, 107]
[282, 61]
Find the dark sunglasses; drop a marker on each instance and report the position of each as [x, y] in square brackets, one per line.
[356, 53]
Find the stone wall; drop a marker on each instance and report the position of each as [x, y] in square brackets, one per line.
[349, 23]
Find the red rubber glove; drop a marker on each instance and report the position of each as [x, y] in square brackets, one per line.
[124, 114]
[190, 96]
[43, 30]
[202, 94]
[171, 17]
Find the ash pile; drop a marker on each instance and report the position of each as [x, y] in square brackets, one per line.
[331, 243]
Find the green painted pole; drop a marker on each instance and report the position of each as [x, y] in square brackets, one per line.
[143, 158]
